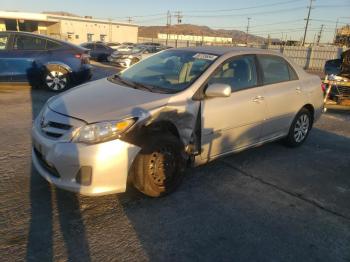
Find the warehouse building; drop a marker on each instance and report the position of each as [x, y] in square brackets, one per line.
[74, 29]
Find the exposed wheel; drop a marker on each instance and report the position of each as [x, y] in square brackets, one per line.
[158, 169]
[299, 129]
[56, 79]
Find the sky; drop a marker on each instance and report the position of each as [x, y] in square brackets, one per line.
[283, 19]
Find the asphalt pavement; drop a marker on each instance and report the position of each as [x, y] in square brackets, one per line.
[270, 203]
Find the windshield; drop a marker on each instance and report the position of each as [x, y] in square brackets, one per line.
[169, 71]
[137, 50]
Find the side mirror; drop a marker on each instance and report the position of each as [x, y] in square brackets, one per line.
[218, 90]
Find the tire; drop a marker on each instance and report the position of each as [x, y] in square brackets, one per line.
[300, 128]
[56, 79]
[158, 169]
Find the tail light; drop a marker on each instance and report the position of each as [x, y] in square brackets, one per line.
[85, 58]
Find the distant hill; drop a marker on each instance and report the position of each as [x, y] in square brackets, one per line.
[188, 29]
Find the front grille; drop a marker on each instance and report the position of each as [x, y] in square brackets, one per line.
[55, 129]
[59, 125]
[343, 91]
[50, 169]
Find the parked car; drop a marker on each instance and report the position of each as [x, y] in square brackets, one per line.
[42, 61]
[128, 58]
[177, 107]
[338, 71]
[114, 45]
[99, 51]
[125, 47]
[151, 44]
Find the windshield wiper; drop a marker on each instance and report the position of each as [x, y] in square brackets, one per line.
[133, 84]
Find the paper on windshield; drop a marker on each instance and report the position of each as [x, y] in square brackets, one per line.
[205, 56]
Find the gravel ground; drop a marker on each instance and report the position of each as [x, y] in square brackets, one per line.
[270, 203]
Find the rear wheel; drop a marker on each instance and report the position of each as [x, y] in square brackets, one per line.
[158, 169]
[56, 79]
[299, 129]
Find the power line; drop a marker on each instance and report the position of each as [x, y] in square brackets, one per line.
[178, 15]
[248, 14]
[242, 8]
[279, 22]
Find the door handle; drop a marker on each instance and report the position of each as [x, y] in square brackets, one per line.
[258, 99]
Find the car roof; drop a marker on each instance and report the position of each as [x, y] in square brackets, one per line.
[44, 36]
[221, 50]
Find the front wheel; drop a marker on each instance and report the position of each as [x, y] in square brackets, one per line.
[158, 169]
[299, 129]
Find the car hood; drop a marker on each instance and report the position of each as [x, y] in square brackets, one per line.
[103, 100]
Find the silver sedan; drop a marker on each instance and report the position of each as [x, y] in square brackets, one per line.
[178, 107]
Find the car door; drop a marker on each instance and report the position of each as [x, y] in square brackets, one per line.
[283, 95]
[235, 122]
[5, 55]
[27, 52]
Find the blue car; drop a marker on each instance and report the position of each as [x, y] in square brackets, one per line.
[42, 61]
[99, 51]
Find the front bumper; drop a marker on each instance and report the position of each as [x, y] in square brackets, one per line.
[61, 162]
[123, 62]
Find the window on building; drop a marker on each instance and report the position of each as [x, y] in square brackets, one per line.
[103, 38]
[89, 37]
[24, 42]
[3, 42]
[70, 35]
[76, 36]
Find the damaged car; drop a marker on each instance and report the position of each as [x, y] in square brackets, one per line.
[337, 74]
[178, 108]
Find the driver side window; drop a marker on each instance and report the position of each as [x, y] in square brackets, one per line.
[239, 73]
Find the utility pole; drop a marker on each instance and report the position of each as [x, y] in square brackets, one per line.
[314, 41]
[179, 16]
[268, 40]
[307, 21]
[282, 39]
[335, 31]
[168, 25]
[246, 36]
[319, 35]
[130, 19]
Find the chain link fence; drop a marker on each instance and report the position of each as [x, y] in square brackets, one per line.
[310, 58]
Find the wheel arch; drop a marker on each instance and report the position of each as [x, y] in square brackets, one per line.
[137, 135]
[162, 126]
[59, 64]
[311, 110]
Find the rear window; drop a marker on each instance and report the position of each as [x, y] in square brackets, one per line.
[24, 42]
[275, 69]
[52, 45]
[3, 42]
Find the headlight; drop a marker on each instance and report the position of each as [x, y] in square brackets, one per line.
[101, 132]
